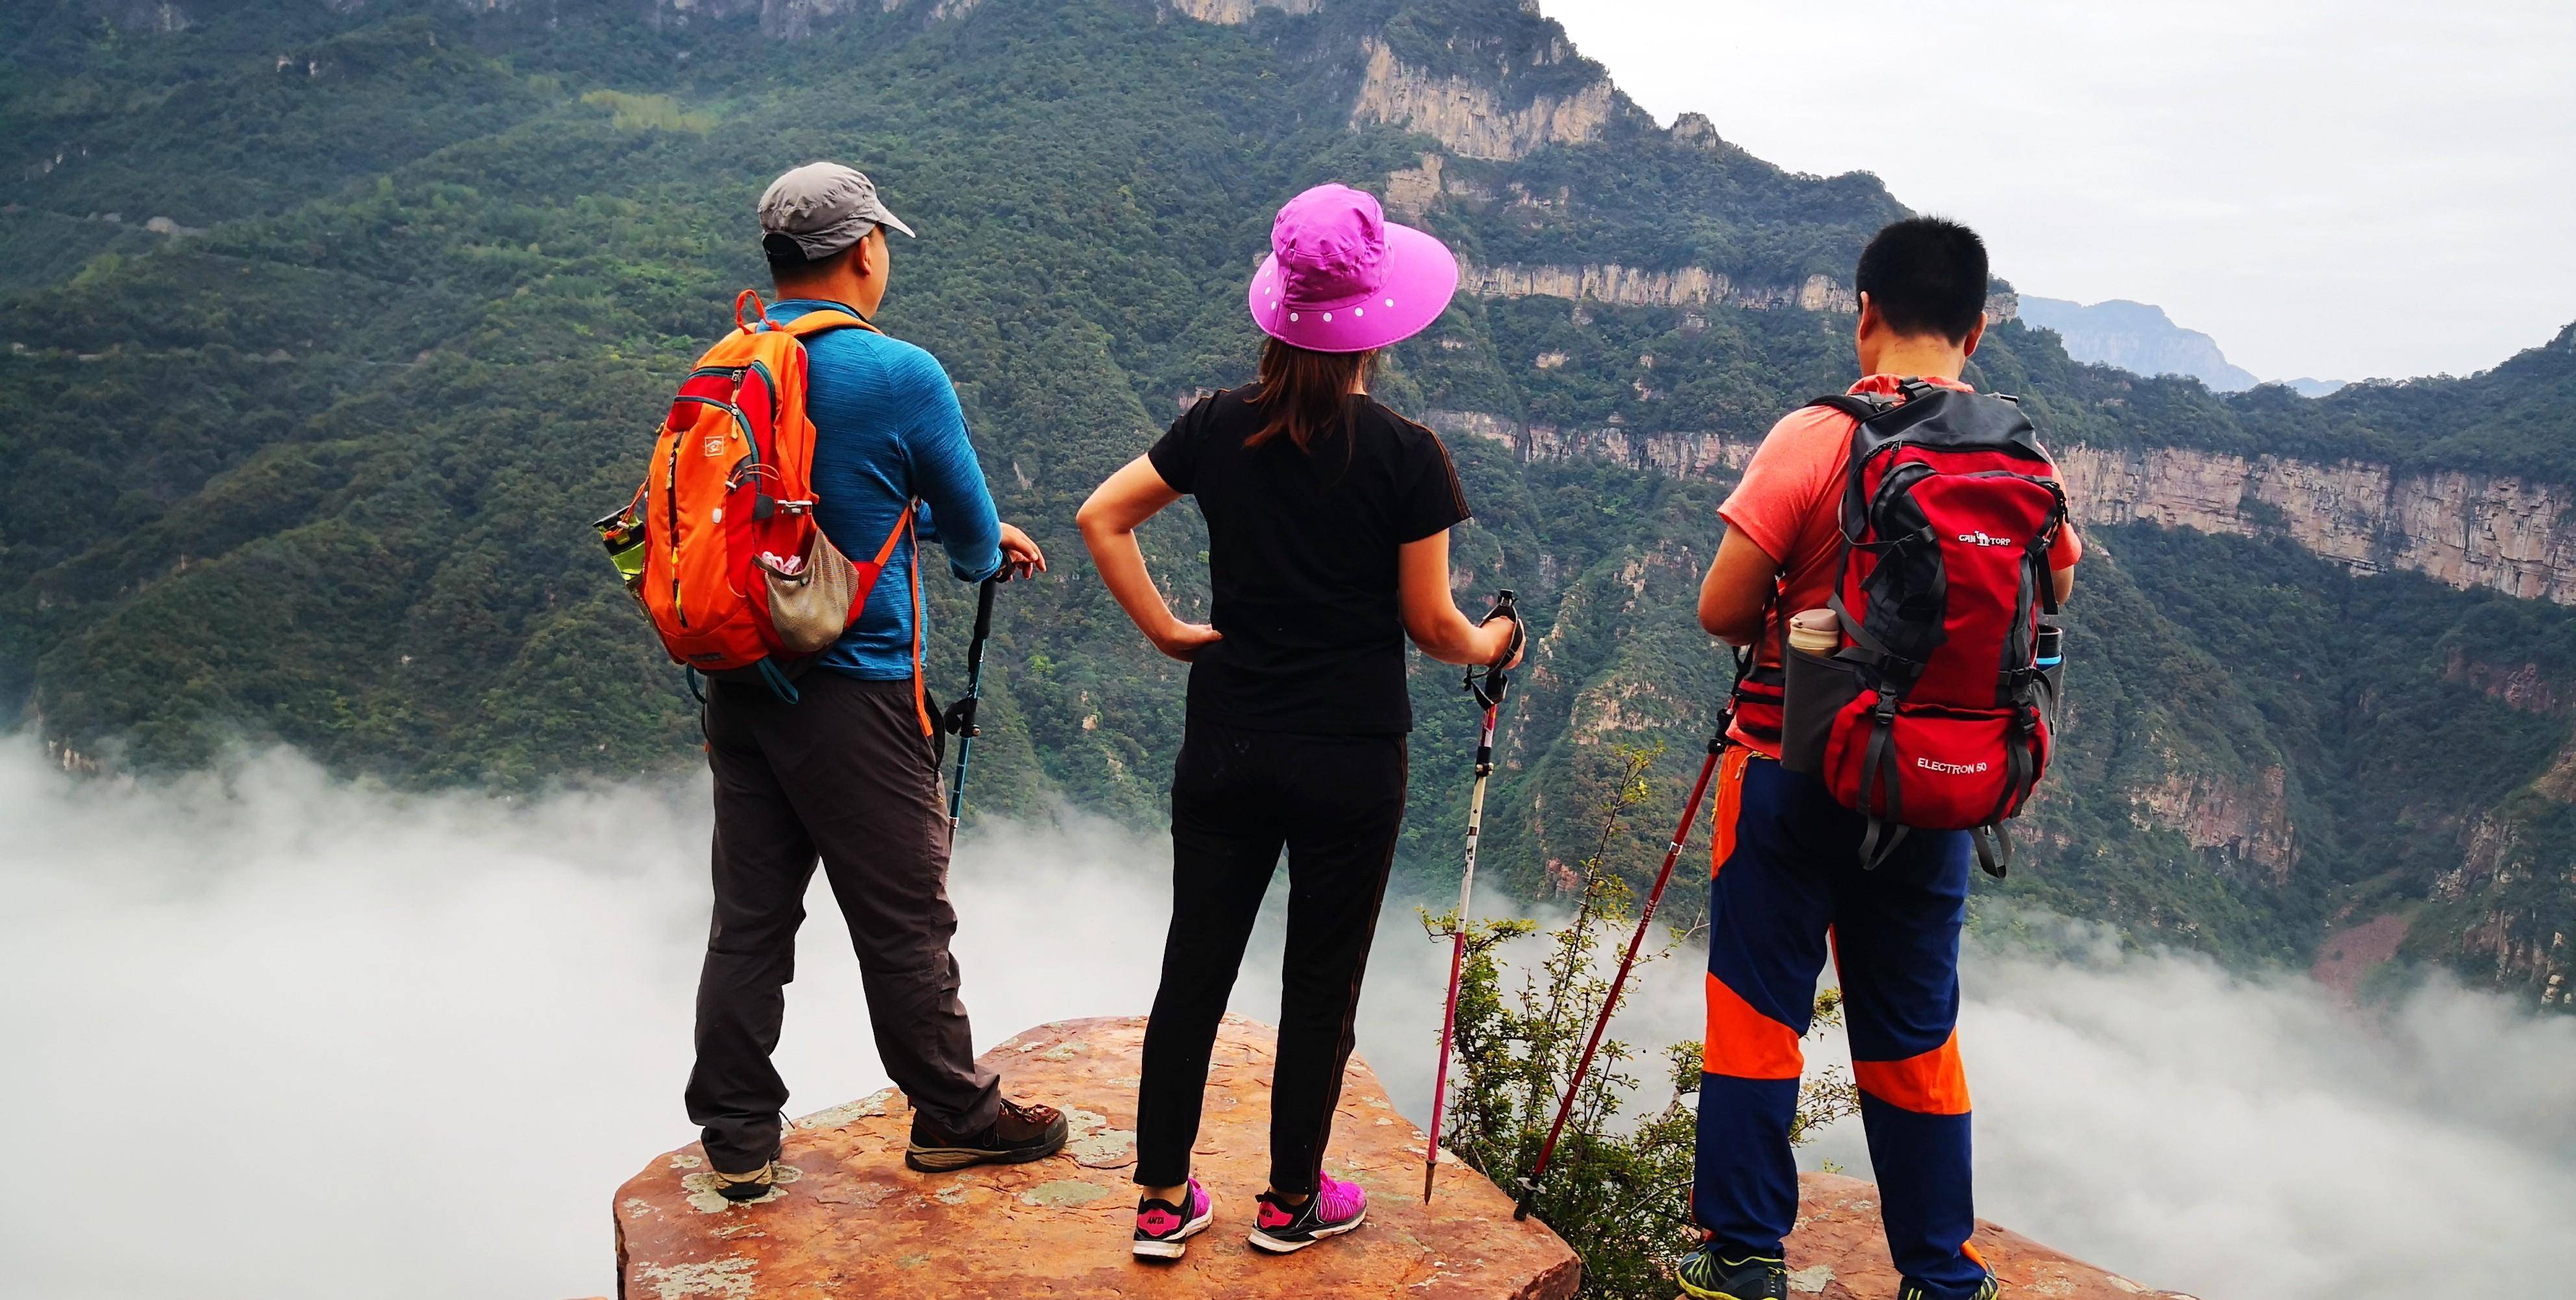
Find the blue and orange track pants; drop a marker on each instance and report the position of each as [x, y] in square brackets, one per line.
[1786, 880]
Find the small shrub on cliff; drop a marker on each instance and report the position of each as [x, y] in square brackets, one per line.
[1618, 1187]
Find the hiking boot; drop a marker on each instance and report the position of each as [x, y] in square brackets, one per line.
[1163, 1230]
[1335, 1208]
[747, 1187]
[1715, 1272]
[1016, 1136]
[1986, 1290]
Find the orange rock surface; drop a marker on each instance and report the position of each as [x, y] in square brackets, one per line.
[855, 1223]
[1839, 1252]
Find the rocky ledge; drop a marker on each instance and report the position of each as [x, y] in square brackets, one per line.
[1839, 1252]
[856, 1224]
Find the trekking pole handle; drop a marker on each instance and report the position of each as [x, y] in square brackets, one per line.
[1506, 605]
[1489, 682]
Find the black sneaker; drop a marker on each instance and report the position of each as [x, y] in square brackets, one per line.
[1986, 1290]
[747, 1187]
[1016, 1136]
[1715, 1272]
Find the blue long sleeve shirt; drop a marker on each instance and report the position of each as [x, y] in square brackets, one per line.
[887, 429]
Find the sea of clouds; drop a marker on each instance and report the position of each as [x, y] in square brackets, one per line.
[271, 1033]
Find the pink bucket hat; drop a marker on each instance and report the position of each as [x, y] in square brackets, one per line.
[1342, 278]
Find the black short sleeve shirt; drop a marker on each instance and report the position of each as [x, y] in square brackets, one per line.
[1302, 562]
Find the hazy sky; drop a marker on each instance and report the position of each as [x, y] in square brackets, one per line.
[297, 1026]
[2335, 188]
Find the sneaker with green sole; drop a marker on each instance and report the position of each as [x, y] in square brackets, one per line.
[1986, 1290]
[1715, 1272]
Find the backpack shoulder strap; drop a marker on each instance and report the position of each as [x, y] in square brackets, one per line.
[1859, 406]
[1862, 408]
[816, 322]
[752, 316]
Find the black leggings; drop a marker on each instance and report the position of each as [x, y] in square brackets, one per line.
[1238, 796]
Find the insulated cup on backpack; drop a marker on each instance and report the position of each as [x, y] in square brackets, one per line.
[623, 534]
[1815, 686]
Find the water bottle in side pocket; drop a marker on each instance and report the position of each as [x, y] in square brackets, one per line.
[1815, 687]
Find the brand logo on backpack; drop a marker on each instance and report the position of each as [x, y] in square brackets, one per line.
[1952, 769]
[1984, 539]
[716, 447]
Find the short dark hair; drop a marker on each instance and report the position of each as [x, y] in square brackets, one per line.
[788, 258]
[1926, 276]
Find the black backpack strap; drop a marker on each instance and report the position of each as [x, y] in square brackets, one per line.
[1859, 406]
[1879, 771]
[1994, 848]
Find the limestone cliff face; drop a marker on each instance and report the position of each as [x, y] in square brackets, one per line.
[1689, 286]
[1467, 117]
[2525, 949]
[1414, 190]
[2247, 822]
[780, 19]
[1676, 453]
[1235, 13]
[2468, 530]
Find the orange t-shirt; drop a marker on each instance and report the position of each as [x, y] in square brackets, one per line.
[1788, 504]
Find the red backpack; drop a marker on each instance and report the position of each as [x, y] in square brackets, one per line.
[740, 582]
[1939, 715]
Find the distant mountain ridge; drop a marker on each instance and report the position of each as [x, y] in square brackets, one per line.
[321, 472]
[2137, 337]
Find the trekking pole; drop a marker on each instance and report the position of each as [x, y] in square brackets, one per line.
[1488, 683]
[1672, 854]
[960, 718]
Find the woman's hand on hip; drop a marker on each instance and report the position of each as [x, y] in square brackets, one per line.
[1183, 641]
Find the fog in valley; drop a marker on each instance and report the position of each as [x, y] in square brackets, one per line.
[275, 1034]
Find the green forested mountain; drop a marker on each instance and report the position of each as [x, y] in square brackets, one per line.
[330, 325]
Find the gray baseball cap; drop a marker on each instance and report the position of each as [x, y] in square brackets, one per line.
[825, 207]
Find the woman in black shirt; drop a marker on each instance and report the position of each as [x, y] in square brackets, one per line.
[1328, 523]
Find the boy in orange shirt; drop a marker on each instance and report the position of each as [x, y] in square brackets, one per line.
[1787, 875]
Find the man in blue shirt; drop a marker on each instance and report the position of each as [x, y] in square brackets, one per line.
[848, 772]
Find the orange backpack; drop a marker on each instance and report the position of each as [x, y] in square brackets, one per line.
[740, 582]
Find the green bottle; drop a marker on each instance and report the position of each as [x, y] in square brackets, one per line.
[623, 534]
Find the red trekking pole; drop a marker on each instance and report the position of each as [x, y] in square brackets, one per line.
[1690, 813]
[1488, 683]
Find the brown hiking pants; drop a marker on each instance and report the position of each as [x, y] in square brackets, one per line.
[845, 775]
